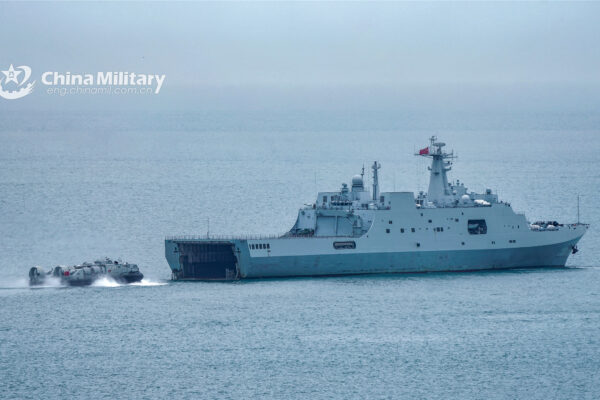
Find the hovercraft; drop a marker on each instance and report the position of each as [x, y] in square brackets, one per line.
[87, 273]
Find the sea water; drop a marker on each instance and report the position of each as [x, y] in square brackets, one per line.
[76, 187]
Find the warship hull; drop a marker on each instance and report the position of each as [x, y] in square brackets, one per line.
[354, 231]
[205, 259]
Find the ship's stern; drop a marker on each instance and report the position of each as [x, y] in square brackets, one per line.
[202, 259]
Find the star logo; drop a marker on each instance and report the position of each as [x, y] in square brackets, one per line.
[20, 88]
[11, 74]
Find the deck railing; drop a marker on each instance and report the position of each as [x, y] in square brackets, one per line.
[249, 237]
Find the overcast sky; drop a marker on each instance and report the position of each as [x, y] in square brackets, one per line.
[312, 45]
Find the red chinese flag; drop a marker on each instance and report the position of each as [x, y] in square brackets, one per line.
[424, 151]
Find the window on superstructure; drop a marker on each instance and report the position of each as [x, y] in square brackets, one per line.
[387, 231]
[324, 199]
[412, 229]
[390, 222]
[477, 226]
[401, 230]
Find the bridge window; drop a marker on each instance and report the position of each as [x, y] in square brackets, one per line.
[477, 227]
[344, 245]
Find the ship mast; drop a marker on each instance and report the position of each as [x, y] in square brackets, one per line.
[439, 190]
[375, 167]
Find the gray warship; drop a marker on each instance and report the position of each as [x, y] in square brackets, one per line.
[354, 231]
[86, 273]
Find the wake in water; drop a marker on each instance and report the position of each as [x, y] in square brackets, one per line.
[147, 282]
[108, 282]
[105, 282]
[22, 283]
[52, 282]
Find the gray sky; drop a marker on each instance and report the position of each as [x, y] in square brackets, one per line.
[296, 47]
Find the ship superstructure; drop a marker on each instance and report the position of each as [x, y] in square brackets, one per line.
[357, 231]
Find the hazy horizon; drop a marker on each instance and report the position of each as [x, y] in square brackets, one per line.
[296, 56]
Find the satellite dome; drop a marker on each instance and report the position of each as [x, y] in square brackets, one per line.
[357, 181]
[465, 198]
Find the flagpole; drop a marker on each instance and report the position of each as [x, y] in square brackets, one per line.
[577, 209]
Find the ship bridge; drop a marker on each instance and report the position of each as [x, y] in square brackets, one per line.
[350, 210]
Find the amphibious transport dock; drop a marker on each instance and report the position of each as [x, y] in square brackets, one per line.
[354, 231]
